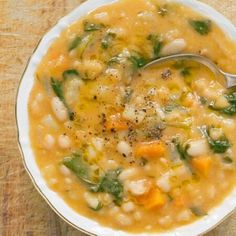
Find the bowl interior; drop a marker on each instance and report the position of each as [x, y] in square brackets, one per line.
[84, 224]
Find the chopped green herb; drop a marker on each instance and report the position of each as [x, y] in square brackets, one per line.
[203, 27]
[170, 198]
[110, 183]
[138, 61]
[184, 71]
[227, 160]
[57, 87]
[86, 40]
[157, 44]
[218, 146]
[79, 167]
[182, 151]
[106, 41]
[203, 100]
[231, 109]
[198, 211]
[68, 73]
[92, 26]
[75, 43]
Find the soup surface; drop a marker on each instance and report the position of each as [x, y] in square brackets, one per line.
[150, 149]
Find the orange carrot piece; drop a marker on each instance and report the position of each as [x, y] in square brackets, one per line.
[202, 164]
[150, 149]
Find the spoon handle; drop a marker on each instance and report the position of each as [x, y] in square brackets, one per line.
[230, 79]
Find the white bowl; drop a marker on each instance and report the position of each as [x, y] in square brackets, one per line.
[78, 221]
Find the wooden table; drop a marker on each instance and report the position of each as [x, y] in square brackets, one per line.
[22, 209]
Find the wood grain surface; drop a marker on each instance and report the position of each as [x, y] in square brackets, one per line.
[23, 212]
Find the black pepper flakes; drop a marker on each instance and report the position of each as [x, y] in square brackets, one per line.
[166, 74]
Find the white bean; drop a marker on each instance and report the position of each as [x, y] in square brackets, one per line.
[128, 173]
[221, 102]
[98, 143]
[164, 182]
[114, 210]
[165, 221]
[132, 114]
[124, 148]
[139, 187]
[49, 141]
[59, 109]
[91, 200]
[216, 133]
[124, 219]
[198, 147]
[105, 198]
[49, 122]
[91, 153]
[93, 68]
[64, 141]
[128, 207]
[174, 47]
[184, 215]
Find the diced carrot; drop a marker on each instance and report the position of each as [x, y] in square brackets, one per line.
[115, 122]
[150, 149]
[202, 164]
[154, 199]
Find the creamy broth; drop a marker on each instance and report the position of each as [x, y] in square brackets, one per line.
[152, 149]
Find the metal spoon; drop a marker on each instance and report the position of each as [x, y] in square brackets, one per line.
[229, 78]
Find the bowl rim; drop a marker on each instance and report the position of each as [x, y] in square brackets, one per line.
[89, 226]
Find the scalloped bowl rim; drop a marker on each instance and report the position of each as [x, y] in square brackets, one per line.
[203, 225]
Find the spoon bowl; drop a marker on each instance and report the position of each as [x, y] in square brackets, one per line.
[229, 78]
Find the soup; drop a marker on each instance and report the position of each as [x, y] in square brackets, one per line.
[150, 148]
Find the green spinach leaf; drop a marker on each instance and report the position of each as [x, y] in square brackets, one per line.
[231, 109]
[79, 167]
[110, 183]
[75, 43]
[57, 88]
[203, 27]
[106, 41]
[227, 160]
[70, 73]
[218, 146]
[137, 61]
[157, 44]
[181, 150]
[197, 211]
